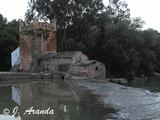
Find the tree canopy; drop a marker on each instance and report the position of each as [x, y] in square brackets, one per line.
[8, 41]
[107, 34]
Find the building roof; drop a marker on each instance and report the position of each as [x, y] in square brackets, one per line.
[67, 55]
[47, 56]
[86, 62]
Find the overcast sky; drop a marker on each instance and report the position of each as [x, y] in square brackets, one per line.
[146, 9]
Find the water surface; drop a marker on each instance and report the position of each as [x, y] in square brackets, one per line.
[68, 101]
[79, 100]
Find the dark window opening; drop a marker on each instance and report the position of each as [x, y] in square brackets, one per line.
[63, 67]
[96, 68]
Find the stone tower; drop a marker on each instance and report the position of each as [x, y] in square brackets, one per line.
[36, 39]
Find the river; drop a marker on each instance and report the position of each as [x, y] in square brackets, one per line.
[77, 100]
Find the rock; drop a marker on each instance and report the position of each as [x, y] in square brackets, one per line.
[119, 80]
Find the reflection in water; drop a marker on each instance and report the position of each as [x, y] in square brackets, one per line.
[16, 94]
[57, 96]
[67, 101]
[8, 101]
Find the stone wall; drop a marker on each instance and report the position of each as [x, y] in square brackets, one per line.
[74, 64]
[91, 69]
[36, 39]
[38, 53]
[60, 62]
[97, 71]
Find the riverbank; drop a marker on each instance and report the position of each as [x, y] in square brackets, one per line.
[132, 103]
[136, 81]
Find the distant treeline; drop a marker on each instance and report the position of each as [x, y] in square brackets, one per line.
[107, 34]
[8, 42]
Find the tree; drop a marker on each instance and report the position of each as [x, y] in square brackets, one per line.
[8, 41]
[119, 10]
[106, 34]
[73, 16]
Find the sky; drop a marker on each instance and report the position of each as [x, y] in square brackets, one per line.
[146, 9]
[13, 9]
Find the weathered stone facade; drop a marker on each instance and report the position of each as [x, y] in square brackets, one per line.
[60, 62]
[36, 39]
[38, 54]
[75, 65]
[91, 69]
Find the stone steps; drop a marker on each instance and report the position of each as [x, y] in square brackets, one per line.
[16, 75]
[19, 75]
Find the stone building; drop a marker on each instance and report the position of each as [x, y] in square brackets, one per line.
[36, 39]
[75, 64]
[38, 54]
[60, 62]
[91, 69]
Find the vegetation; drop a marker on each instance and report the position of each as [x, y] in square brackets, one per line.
[107, 34]
[8, 41]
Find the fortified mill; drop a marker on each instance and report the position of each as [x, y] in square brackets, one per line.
[38, 54]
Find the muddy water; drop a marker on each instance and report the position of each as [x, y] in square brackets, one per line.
[77, 100]
[63, 100]
[132, 103]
